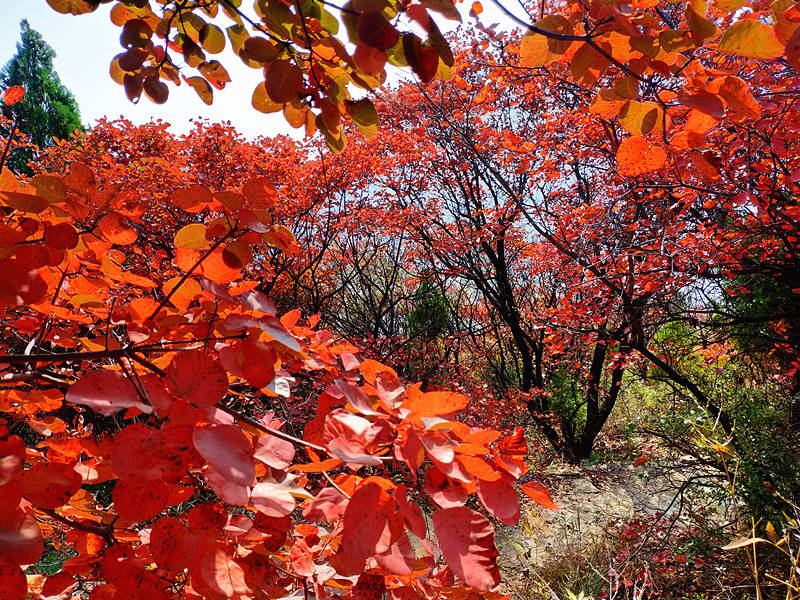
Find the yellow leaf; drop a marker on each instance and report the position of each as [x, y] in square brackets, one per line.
[262, 102]
[641, 118]
[771, 534]
[742, 542]
[192, 237]
[751, 39]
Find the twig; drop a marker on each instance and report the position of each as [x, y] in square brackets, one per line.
[104, 531]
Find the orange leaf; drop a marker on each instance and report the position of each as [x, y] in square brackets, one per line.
[636, 156]
[318, 467]
[478, 467]
[116, 229]
[434, 404]
[539, 494]
[13, 95]
[370, 369]
[183, 296]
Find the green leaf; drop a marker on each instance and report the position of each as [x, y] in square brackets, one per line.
[364, 115]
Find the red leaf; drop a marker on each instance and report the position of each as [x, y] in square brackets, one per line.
[510, 453]
[423, 60]
[283, 81]
[389, 389]
[356, 397]
[105, 392]
[58, 585]
[228, 491]
[196, 377]
[369, 587]
[445, 492]
[500, 499]
[438, 447]
[411, 513]
[408, 448]
[364, 522]
[539, 494]
[467, 542]
[172, 544]
[328, 505]
[399, 558]
[49, 485]
[274, 452]
[13, 585]
[228, 450]
[374, 30]
[141, 452]
[220, 573]
[139, 500]
[272, 499]
[20, 534]
[258, 363]
[12, 457]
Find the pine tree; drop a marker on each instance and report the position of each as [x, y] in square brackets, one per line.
[49, 110]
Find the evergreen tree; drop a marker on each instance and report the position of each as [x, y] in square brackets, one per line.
[49, 110]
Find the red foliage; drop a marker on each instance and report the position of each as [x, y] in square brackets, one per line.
[155, 373]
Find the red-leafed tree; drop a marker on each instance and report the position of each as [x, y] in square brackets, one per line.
[516, 188]
[144, 372]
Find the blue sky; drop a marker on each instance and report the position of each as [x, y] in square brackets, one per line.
[85, 46]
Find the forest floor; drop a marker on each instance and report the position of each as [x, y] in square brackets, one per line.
[625, 529]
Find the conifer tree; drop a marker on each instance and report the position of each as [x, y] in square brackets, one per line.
[49, 110]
